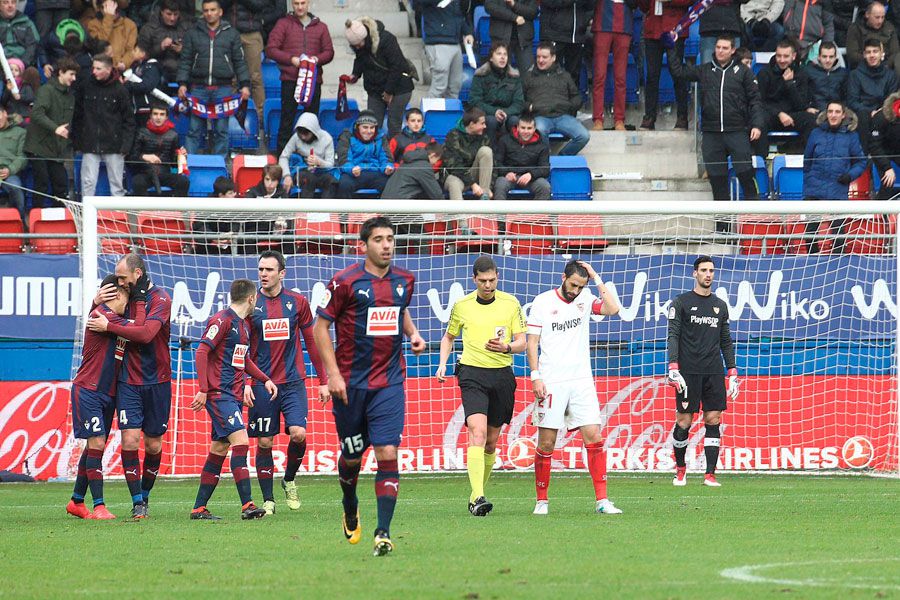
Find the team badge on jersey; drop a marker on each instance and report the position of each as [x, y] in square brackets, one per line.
[383, 320]
[500, 332]
[716, 309]
[212, 332]
[399, 290]
[238, 359]
[276, 330]
[326, 298]
[290, 305]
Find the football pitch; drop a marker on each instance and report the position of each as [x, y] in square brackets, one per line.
[758, 536]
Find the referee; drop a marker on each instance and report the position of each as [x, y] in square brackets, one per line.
[698, 339]
[493, 329]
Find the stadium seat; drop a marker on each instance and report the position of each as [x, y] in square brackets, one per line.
[102, 188]
[861, 188]
[436, 229]
[862, 226]
[441, 115]
[328, 117]
[484, 235]
[787, 176]
[762, 179]
[113, 223]
[152, 224]
[482, 22]
[53, 221]
[531, 234]
[247, 170]
[11, 223]
[766, 234]
[580, 233]
[271, 76]
[468, 74]
[692, 43]
[308, 225]
[570, 178]
[246, 137]
[271, 121]
[205, 168]
[760, 60]
[797, 240]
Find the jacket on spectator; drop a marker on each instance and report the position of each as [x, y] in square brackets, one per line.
[119, 31]
[291, 38]
[656, 25]
[514, 155]
[445, 25]
[19, 37]
[722, 17]
[867, 87]
[729, 96]
[322, 146]
[503, 19]
[12, 145]
[460, 149]
[757, 10]
[154, 32]
[566, 20]
[259, 191]
[550, 93]
[245, 15]
[496, 89]
[161, 141]
[859, 32]
[103, 122]
[825, 85]
[151, 78]
[53, 106]
[212, 61]
[810, 25]
[407, 147]
[83, 10]
[352, 151]
[885, 140]
[380, 62]
[778, 95]
[614, 16]
[22, 106]
[829, 155]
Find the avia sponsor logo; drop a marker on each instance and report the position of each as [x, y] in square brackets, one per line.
[238, 357]
[566, 325]
[276, 330]
[40, 296]
[383, 321]
[711, 321]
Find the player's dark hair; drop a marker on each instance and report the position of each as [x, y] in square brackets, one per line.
[483, 264]
[471, 115]
[274, 254]
[374, 223]
[241, 289]
[703, 259]
[112, 279]
[573, 267]
[134, 261]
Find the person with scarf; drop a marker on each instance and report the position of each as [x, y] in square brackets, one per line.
[155, 156]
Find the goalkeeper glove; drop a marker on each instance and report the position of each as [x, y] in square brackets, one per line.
[733, 384]
[140, 288]
[676, 380]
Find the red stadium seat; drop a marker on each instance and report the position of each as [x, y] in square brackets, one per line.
[486, 235]
[52, 220]
[151, 224]
[861, 188]
[874, 225]
[113, 222]
[765, 232]
[437, 244]
[304, 226]
[247, 170]
[11, 222]
[578, 226]
[536, 233]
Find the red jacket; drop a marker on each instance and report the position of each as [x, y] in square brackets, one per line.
[290, 38]
[655, 26]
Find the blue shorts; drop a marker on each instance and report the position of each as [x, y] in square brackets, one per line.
[92, 413]
[144, 407]
[226, 415]
[373, 417]
[265, 415]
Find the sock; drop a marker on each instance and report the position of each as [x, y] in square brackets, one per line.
[680, 437]
[596, 464]
[131, 465]
[711, 447]
[94, 469]
[151, 470]
[295, 454]
[209, 478]
[542, 465]
[475, 467]
[264, 467]
[489, 465]
[348, 476]
[241, 473]
[387, 485]
[81, 481]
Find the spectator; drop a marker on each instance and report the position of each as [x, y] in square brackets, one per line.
[295, 35]
[21, 102]
[162, 36]
[612, 27]
[246, 17]
[18, 34]
[155, 155]
[269, 232]
[313, 149]
[85, 10]
[48, 14]
[762, 30]
[808, 22]
[117, 29]
[744, 56]
[522, 161]
[444, 26]
[843, 12]
[732, 118]
[387, 74]
[148, 71]
[867, 87]
[47, 142]
[409, 145]
[212, 56]
[12, 158]
[884, 144]
[363, 156]
[784, 91]
[497, 90]
[722, 18]
[103, 126]
[873, 26]
[565, 23]
[827, 79]
[68, 39]
[660, 18]
[512, 23]
[269, 186]
[554, 99]
[418, 178]
[468, 158]
[220, 232]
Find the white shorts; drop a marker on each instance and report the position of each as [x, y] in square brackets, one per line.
[572, 404]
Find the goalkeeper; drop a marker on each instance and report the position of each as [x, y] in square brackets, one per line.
[698, 333]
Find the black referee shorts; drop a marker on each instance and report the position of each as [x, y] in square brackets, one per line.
[490, 392]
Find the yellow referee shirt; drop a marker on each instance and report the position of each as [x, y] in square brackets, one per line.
[479, 323]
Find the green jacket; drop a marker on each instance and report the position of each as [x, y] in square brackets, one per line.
[12, 143]
[19, 37]
[459, 152]
[492, 90]
[53, 106]
[551, 93]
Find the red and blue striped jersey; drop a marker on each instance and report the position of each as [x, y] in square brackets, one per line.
[101, 356]
[613, 16]
[276, 329]
[146, 364]
[228, 338]
[368, 315]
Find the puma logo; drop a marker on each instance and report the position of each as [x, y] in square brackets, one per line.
[363, 293]
[134, 472]
[154, 473]
[266, 471]
[396, 485]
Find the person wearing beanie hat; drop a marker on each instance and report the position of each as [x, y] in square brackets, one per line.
[363, 157]
[884, 145]
[387, 74]
[20, 103]
[66, 40]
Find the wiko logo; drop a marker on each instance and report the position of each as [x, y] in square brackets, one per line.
[881, 296]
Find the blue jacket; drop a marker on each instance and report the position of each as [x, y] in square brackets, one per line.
[867, 87]
[830, 154]
[445, 25]
[372, 156]
[825, 85]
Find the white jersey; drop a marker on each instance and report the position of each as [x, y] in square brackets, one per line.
[563, 326]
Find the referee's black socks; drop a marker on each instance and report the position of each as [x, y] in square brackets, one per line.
[680, 443]
[711, 447]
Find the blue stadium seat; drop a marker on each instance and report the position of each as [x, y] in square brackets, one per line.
[761, 59]
[248, 136]
[204, 171]
[271, 76]
[570, 178]
[328, 117]
[482, 22]
[182, 123]
[272, 120]
[631, 81]
[468, 74]
[762, 179]
[102, 188]
[787, 176]
[692, 43]
[441, 115]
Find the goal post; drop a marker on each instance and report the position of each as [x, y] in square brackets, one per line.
[811, 289]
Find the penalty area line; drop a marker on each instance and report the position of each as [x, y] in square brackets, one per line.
[750, 574]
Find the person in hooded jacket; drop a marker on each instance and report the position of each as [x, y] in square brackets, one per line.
[867, 87]
[309, 154]
[363, 157]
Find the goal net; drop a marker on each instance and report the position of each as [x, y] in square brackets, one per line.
[811, 297]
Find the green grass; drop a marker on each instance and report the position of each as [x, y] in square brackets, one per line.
[825, 537]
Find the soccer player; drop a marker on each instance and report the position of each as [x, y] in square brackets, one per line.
[144, 395]
[277, 323]
[368, 304]
[222, 360]
[563, 384]
[94, 400]
[493, 329]
[698, 339]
